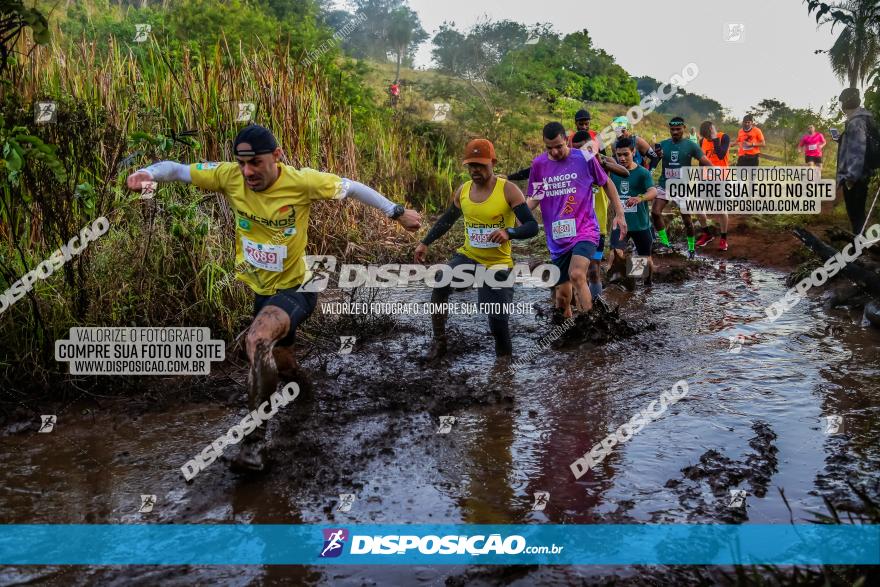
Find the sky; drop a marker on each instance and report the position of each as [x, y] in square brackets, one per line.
[773, 59]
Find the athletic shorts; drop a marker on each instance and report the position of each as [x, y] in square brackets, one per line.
[813, 159]
[748, 160]
[298, 305]
[584, 249]
[661, 195]
[600, 249]
[640, 238]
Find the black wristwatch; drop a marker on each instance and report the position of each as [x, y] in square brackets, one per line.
[397, 212]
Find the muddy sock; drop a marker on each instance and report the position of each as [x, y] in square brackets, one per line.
[664, 238]
[595, 289]
[691, 241]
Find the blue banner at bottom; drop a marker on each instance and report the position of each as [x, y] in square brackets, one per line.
[600, 544]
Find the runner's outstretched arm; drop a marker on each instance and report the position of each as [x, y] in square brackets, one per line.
[364, 194]
[441, 227]
[611, 166]
[163, 171]
[168, 171]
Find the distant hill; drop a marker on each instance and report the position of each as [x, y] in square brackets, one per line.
[692, 107]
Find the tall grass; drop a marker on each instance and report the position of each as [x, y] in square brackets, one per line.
[164, 261]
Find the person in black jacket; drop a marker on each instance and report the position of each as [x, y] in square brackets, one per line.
[857, 157]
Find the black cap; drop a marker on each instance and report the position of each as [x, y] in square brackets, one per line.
[582, 115]
[850, 99]
[260, 139]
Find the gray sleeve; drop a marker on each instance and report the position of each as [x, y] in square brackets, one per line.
[169, 171]
[853, 151]
[367, 195]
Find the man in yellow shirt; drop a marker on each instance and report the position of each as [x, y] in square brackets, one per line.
[490, 206]
[272, 202]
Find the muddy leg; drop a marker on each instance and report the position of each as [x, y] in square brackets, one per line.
[440, 295]
[288, 370]
[499, 324]
[563, 298]
[270, 325]
[577, 273]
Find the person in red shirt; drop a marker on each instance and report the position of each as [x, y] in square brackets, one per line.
[394, 90]
[750, 140]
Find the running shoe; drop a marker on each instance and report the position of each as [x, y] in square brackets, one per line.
[722, 244]
[692, 255]
[705, 239]
[253, 454]
[665, 249]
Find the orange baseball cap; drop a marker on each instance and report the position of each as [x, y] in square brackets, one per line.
[480, 151]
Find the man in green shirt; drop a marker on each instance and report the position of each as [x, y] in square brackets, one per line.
[635, 193]
[677, 152]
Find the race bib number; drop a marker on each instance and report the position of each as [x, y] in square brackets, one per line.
[479, 238]
[564, 229]
[812, 147]
[268, 257]
[672, 173]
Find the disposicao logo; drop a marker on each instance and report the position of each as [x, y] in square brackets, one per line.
[334, 540]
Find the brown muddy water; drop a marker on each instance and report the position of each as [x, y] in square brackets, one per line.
[753, 420]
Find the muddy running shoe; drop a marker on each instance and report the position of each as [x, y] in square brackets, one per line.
[665, 249]
[252, 455]
[436, 352]
[722, 244]
[557, 317]
[705, 239]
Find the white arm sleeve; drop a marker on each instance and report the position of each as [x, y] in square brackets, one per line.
[366, 195]
[169, 171]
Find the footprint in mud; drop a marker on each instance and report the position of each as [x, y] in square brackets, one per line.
[706, 488]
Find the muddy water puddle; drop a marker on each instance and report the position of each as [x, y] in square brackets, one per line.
[754, 419]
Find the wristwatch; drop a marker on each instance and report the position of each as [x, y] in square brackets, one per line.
[396, 212]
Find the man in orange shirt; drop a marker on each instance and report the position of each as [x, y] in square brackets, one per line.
[750, 140]
[716, 145]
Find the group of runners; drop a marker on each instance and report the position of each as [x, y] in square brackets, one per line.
[586, 193]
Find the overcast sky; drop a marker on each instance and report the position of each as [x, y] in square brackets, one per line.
[774, 60]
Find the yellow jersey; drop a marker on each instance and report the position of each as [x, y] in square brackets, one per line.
[600, 205]
[480, 220]
[272, 226]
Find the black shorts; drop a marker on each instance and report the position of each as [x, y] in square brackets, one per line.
[641, 239]
[581, 249]
[813, 159]
[298, 305]
[499, 297]
[600, 249]
[748, 160]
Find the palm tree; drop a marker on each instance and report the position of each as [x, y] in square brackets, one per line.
[855, 53]
[404, 30]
